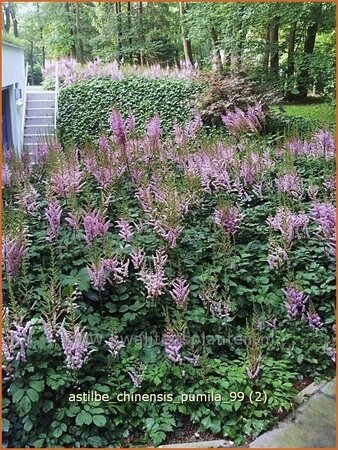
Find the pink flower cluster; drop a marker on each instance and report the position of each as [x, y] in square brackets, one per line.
[16, 341]
[288, 224]
[155, 280]
[94, 226]
[238, 122]
[180, 292]
[53, 216]
[290, 183]
[13, 251]
[75, 346]
[228, 218]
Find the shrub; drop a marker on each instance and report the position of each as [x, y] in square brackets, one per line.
[224, 94]
[84, 107]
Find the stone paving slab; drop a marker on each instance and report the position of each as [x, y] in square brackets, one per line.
[201, 444]
[330, 389]
[314, 425]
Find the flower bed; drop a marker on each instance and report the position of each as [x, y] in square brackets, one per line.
[150, 282]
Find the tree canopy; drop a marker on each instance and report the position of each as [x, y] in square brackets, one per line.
[289, 45]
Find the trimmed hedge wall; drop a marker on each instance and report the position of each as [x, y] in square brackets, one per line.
[84, 107]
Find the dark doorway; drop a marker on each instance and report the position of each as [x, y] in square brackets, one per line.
[7, 139]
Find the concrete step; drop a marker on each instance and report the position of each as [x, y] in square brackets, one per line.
[36, 138]
[33, 112]
[39, 129]
[39, 120]
[48, 95]
[40, 104]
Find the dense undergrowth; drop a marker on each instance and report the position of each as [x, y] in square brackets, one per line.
[173, 266]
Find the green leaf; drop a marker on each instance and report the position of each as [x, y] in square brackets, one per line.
[83, 418]
[6, 425]
[33, 395]
[99, 420]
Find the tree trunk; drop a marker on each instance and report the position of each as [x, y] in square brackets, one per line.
[216, 57]
[31, 60]
[309, 44]
[71, 31]
[78, 35]
[130, 39]
[186, 42]
[140, 56]
[14, 20]
[119, 31]
[290, 71]
[266, 59]
[274, 49]
[7, 18]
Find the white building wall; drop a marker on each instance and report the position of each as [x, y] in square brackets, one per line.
[13, 71]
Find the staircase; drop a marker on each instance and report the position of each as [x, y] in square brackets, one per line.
[39, 122]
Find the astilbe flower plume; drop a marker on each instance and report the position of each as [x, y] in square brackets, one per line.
[117, 268]
[6, 175]
[17, 337]
[277, 256]
[295, 302]
[172, 342]
[314, 320]
[28, 199]
[290, 183]
[136, 375]
[94, 226]
[66, 181]
[14, 250]
[324, 215]
[228, 218]
[48, 330]
[97, 275]
[53, 216]
[323, 144]
[155, 280]
[180, 291]
[137, 257]
[125, 230]
[114, 345]
[75, 346]
[287, 223]
[118, 128]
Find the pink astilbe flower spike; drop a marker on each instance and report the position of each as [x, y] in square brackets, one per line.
[117, 126]
[179, 291]
[6, 175]
[125, 230]
[295, 302]
[287, 223]
[13, 251]
[324, 215]
[53, 216]
[75, 346]
[94, 226]
[28, 199]
[172, 345]
[228, 218]
[137, 257]
[114, 344]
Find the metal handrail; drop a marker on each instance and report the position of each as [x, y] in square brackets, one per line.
[57, 88]
[24, 103]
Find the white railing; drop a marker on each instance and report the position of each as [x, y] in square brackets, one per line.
[57, 89]
[24, 96]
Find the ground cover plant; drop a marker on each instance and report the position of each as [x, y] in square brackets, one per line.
[195, 271]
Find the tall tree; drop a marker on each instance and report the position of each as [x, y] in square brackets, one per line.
[309, 44]
[186, 41]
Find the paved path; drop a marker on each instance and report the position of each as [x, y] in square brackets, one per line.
[314, 425]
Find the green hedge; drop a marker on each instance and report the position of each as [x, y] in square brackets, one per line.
[84, 107]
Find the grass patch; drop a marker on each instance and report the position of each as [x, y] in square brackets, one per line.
[323, 112]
